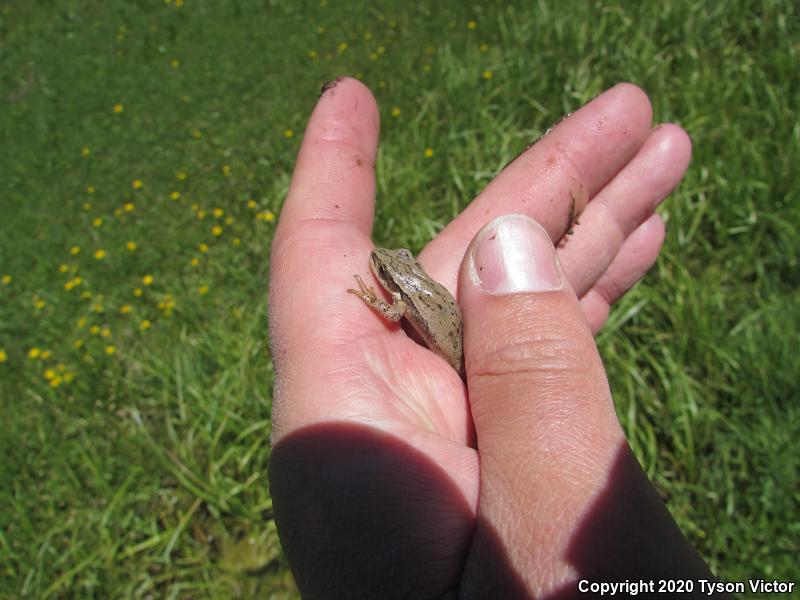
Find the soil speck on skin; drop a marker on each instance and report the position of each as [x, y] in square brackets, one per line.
[329, 85]
[359, 162]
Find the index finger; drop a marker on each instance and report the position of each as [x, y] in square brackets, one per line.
[323, 232]
[333, 180]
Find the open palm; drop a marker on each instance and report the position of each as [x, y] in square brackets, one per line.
[375, 469]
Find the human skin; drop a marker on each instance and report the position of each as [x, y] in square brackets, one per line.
[392, 478]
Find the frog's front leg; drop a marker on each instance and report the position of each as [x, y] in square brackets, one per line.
[392, 312]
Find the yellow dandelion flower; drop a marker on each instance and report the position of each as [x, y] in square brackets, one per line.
[145, 324]
[218, 212]
[63, 268]
[483, 47]
[342, 47]
[105, 332]
[487, 74]
[202, 290]
[288, 133]
[6, 279]
[46, 354]
[77, 344]
[69, 376]
[381, 49]
[174, 63]
[175, 195]
[252, 204]
[236, 241]
[81, 322]
[178, 3]
[396, 111]
[216, 230]
[55, 381]
[137, 292]
[128, 206]
[110, 350]
[195, 261]
[69, 285]
[229, 220]
[85, 151]
[166, 305]
[373, 56]
[202, 247]
[117, 212]
[428, 152]
[226, 170]
[201, 214]
[40, 304]
[99, 254]
[90, 189]
[147, 280]
[137, 184]
[87, 206]
[118, 108]
[197, 134]
[269, 216]
[74, 250]
[3, 356]
[312, 54]
[125, 309]
[131, 246]
[195, 206]
[180, 176]
[94, 329]
[97, 222]
[97, 307]
[87, 295]
[77, 280]
[471, 25]
[49, 374]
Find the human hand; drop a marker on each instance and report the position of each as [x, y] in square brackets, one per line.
[389, 477]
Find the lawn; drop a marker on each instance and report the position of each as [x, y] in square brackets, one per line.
[147, 148]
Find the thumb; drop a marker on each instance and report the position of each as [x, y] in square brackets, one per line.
[561, 495]
[534, 374]
[540, 400]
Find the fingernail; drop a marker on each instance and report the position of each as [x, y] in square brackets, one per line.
[513, 253]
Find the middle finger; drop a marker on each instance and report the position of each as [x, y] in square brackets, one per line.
[573, 161]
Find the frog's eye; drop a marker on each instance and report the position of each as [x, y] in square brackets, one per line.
[404, 254]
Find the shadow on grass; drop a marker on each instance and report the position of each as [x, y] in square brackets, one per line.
[362, 514]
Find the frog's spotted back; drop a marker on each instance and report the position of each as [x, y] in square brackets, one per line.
[427, 305]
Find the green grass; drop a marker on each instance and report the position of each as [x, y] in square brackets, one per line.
[143, 471]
